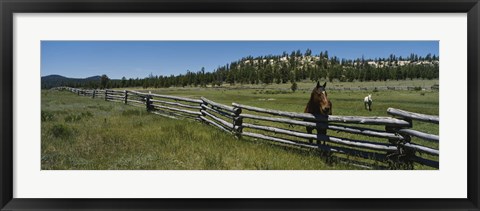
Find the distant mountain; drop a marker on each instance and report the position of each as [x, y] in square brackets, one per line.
[93, 78]
[51, 81]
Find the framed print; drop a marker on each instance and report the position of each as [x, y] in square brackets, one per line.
[239, 105]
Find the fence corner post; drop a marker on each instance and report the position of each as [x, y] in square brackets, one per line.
[403, 157]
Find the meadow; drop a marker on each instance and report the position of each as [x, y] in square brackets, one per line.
[84, 133]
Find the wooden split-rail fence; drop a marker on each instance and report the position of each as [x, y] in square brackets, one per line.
[387, 140]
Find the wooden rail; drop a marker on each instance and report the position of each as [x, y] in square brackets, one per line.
[414, 116]
[355, 143]
[422, 135]
[340, 119]
[344, 135]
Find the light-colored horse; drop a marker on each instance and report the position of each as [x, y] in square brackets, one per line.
[368, 102]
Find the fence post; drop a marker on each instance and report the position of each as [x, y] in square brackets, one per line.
[237, 122]
[93, 93]
[126, 96]
[202, 109]
[148, 103]
[106, 94]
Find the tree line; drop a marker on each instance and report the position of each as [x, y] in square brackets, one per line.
[287, 68]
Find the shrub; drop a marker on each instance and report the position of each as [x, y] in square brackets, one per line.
[294, 86]
[417, 88]
[47, 116]
[61, 131]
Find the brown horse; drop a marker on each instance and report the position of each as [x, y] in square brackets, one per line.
[319, 105]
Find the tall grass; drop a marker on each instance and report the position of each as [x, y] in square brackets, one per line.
[125, 137]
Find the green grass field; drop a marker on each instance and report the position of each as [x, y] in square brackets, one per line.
[83, 133]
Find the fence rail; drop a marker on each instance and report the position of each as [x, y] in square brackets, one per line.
[358, 136]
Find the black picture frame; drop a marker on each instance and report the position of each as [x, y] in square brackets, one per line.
[9, 7]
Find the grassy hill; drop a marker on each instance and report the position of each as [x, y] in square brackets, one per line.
[51, 81]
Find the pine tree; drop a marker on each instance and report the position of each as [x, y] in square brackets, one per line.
[104, 81]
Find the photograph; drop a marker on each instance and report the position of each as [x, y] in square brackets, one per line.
[240, 105]
[251, 105]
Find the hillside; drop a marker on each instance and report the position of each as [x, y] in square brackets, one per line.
[51, 81]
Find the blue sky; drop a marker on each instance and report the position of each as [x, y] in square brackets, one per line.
[80, 59]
